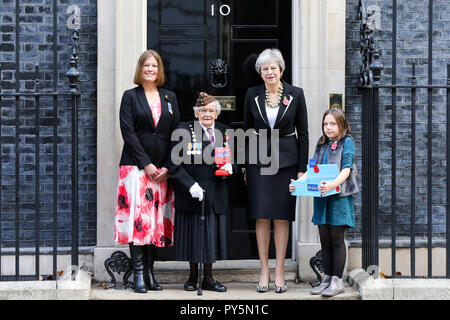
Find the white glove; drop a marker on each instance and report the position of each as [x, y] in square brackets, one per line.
[228, 167]
[196, 191]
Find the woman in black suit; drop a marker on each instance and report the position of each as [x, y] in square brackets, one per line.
[193, 169]
[144, 211]
[275, 105]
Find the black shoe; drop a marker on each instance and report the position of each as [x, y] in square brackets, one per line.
[190, 285]
[214, 286]
[137, 259]
[149, 278]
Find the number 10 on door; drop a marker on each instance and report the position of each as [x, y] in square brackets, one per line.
[224, 10]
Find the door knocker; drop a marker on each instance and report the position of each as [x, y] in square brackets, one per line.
[219, 73]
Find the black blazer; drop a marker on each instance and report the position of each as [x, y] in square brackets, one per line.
[292, 122]
[185, 175]
[143, 143]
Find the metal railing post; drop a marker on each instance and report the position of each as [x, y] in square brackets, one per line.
[73, 76]
[447, 229]
[370, 80]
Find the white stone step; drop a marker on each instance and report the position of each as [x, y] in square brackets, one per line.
[235, 291]
[224, 271]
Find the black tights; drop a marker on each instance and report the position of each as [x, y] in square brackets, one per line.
[207, 274]
[333, 249]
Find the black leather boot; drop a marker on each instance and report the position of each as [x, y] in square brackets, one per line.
[149, 278]
[137, 258]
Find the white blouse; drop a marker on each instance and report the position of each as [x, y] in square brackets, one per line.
[272, 115]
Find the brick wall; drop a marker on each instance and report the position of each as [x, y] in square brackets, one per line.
[412, 45]
[36, 43]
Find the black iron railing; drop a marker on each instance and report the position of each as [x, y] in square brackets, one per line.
[370, 86]
[15, 96]
[369, 78]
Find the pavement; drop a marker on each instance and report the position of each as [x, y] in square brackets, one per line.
[239, 276]
[360, 286]
[378, 288]
[235, 291]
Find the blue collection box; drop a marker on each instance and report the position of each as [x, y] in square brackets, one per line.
[309, 187]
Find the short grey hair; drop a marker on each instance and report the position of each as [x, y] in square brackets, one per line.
[269, 55]
[215, 103]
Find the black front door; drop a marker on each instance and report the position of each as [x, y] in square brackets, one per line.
[189, 35]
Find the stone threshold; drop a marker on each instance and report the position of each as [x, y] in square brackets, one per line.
[223, 270]
[239, 276]
[235, 291]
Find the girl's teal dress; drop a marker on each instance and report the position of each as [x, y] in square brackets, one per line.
[335, 210]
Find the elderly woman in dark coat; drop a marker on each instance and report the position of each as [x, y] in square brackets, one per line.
[195, 180]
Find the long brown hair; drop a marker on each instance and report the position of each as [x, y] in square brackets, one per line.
[342, 123]
[160, 79]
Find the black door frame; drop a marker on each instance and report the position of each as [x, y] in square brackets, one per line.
[226, 52]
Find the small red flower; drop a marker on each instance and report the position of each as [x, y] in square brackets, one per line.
[285, 101]
[316, 169]
[337, 188]
[334, 146]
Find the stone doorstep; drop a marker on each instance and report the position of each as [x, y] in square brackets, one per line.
[235, 291]
[240, 277]
[78, 289]
[225, 271]
[398, 289]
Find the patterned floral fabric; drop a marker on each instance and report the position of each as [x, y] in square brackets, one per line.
[156, 113]
[144, 209]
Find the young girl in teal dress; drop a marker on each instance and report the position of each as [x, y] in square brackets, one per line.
[333, 214]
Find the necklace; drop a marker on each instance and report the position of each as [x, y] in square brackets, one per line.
[269, 101]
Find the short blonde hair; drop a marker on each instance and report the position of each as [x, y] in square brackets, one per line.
[160, 79]
[269, 55]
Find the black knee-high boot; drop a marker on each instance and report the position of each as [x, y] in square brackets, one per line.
[149, 278]
[137, 258]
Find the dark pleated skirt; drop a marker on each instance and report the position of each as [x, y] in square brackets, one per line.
[269, 196]
[187, 237]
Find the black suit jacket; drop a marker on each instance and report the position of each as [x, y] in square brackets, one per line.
[185, 175]
[292, 122]
[143, 143]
